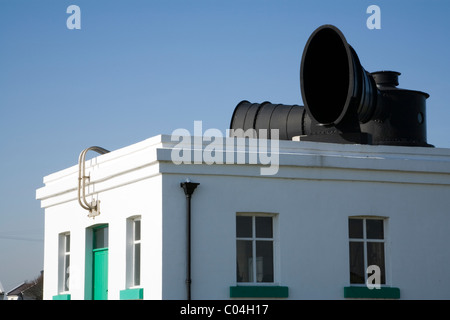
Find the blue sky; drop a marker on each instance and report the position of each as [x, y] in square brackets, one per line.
[137, 69]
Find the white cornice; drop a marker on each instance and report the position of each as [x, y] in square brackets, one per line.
[296, 160]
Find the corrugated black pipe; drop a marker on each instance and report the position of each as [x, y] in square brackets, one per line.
[188, 188]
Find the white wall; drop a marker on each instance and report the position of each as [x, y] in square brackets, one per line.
[140, 198]
[312, 234]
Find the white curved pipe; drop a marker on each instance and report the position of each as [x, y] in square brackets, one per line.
[82, 177]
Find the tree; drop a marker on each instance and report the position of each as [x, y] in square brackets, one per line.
[34, 289]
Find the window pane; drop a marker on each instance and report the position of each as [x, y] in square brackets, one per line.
[101, 238]
[244, 268]
[137, 264]
[137, 230]
[375, 256]
[355, 228]
[263, 227]
[374, 229]
[356, 262]
[243, 227]
[264, 261]
[66, 272]
[68, 243]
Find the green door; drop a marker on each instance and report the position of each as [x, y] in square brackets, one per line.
[100, 264]
[100, 281]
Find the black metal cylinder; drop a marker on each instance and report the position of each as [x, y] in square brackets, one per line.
[287, 119]
[402, 116]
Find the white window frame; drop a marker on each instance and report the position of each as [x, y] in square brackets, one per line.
[274, 239]
[135, 243]
[365, 240]
[64, 283]
[131, 252]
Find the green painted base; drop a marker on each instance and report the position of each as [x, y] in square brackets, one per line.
[132, 294]
[259, 292]
[62, 297]
[364, 292]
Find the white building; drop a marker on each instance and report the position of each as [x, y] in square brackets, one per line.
[329, 212]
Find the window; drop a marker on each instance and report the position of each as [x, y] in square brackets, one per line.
[136, 252]
[132, 290]
[254, 249]
[64, 262]
[367, 247]
[133, 252]
[101, 237]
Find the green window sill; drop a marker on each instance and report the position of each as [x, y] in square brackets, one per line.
[364, 292]
[132, 294]
[259, 292]
[62, 297]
